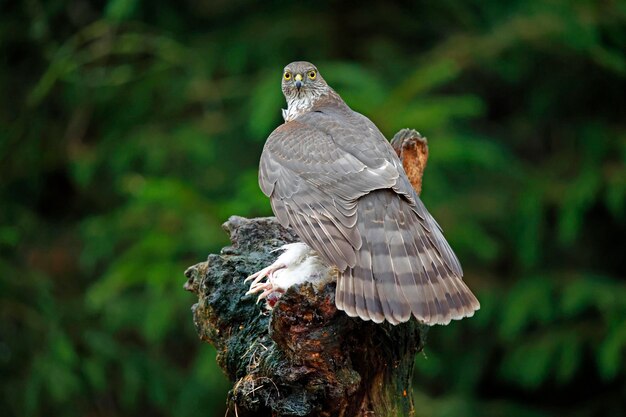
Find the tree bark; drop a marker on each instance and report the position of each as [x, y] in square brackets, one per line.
[304, 357]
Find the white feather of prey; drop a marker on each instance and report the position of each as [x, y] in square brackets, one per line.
[301, 265]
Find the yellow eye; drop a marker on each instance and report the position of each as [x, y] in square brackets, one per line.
[287, 75]
[311, 74]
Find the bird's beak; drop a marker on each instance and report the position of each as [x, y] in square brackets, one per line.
[298, 82]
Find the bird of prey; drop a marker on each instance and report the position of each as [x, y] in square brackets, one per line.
[336, 181]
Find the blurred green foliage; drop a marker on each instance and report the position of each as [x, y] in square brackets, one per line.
[130, 130]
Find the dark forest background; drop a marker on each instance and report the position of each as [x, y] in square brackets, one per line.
[131, 129]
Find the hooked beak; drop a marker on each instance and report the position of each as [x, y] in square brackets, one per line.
[298, 82]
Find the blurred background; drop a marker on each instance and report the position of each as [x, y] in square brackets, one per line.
[131, 129]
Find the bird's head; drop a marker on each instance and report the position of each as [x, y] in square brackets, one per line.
[302, 80]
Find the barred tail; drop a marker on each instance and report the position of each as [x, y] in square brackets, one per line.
[404, 267]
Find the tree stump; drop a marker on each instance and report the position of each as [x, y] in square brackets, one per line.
[304, 357]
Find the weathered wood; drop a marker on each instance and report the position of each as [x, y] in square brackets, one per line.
[304, 357]
[412, 149]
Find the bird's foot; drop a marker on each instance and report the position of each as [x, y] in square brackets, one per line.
[297, 264]
[266, 287]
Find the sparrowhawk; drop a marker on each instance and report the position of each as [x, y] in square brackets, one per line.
[336, 181]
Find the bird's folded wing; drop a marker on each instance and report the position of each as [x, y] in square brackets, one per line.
[315, 168]
[314, 185]
[359, 137]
